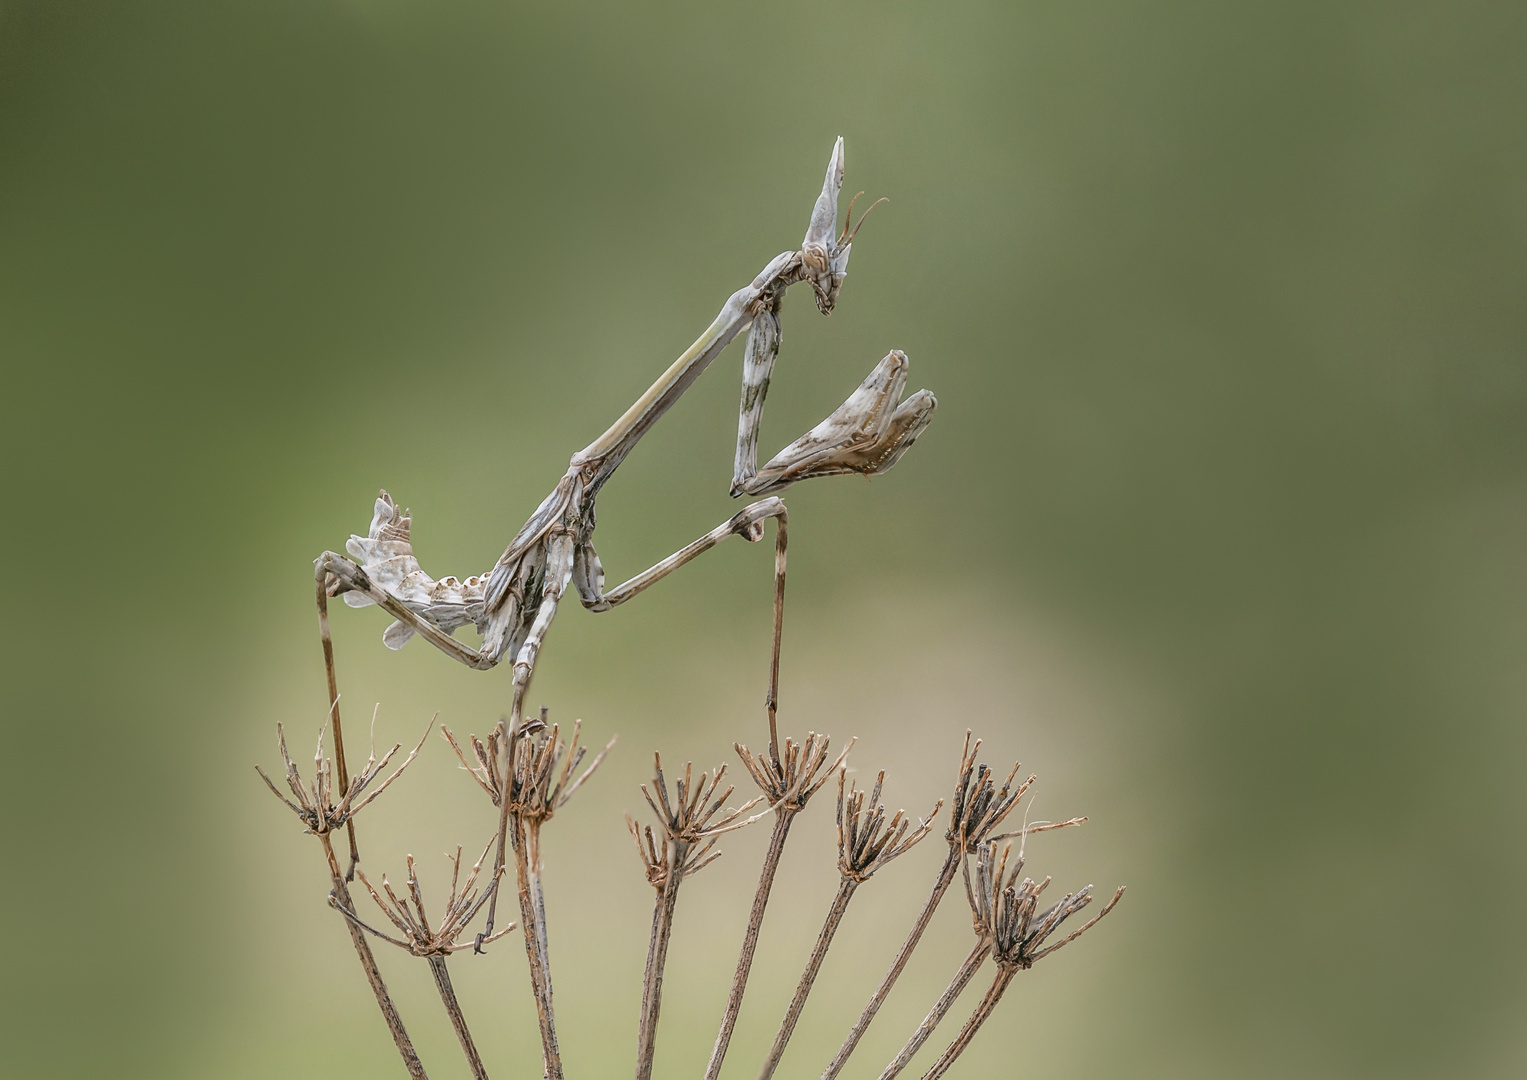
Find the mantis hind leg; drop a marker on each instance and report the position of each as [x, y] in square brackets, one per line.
[321, 582]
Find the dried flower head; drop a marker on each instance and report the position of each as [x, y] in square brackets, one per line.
[979, 806]
[541, 775]
[866, 841]
[1007, 910]
[408, 914]
[689, 823]
[790, 780]
[315, 804]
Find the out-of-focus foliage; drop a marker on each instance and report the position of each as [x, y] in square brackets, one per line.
[1220, 525]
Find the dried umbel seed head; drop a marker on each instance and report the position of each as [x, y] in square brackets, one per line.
[689, 823]
[979, 806]
[485, 764]
[541, 779]
[541, 772]
[866, 841]
[1006, 910]
[315, 804]
[797, 774]
[408, 914]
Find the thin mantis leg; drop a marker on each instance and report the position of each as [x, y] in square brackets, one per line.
[559, 564]
[559, 569]
[321, 580]
[747, 523]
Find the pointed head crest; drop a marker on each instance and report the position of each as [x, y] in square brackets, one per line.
[825, 250]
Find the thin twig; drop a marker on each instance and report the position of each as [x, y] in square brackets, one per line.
[690, 824]
[788, 780]
[373, 973]
[657, 956]
[867, 841]
[846, 888]
[782, 818]
[1005, 973]
[538, 898]
[540, 981]
[940, 885]
[458, 1021]
[941, 1007]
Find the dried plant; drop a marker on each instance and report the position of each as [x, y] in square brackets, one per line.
[528, 771]
[435, 944]
[689, 823]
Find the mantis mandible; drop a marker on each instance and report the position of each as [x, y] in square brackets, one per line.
[513, 604]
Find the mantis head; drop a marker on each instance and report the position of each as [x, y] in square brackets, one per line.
[825, 251]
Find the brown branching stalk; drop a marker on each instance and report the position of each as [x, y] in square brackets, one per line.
[866, 842]
[529, 784]
[316, 808]
[967, 970]
[972, 962]
[788, 781]
[689, 824]
[434, 944]
[977, 808]
[1006, 912]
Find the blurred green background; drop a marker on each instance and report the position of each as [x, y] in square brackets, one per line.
[1219, 527]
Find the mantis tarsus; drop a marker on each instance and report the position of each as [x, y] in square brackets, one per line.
[513, 604]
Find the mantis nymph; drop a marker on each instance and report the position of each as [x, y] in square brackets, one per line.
[513, 604]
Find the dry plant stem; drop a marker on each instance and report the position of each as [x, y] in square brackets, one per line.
[540, 981]
[813, 966]
[458, 1021]
[373, 973]
[940, 886]
[782, 818]
[339, 738]
[940, 1009]
[652, 979]
[1005, 973]
[503, 834]
[538, 898]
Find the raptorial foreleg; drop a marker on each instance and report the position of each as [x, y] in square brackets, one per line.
[867, 434]
[757, 369]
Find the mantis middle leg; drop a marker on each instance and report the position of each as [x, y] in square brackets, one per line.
[747, 523]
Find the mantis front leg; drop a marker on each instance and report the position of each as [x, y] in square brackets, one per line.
[867, 434]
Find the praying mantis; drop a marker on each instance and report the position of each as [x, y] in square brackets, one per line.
[512, 605]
